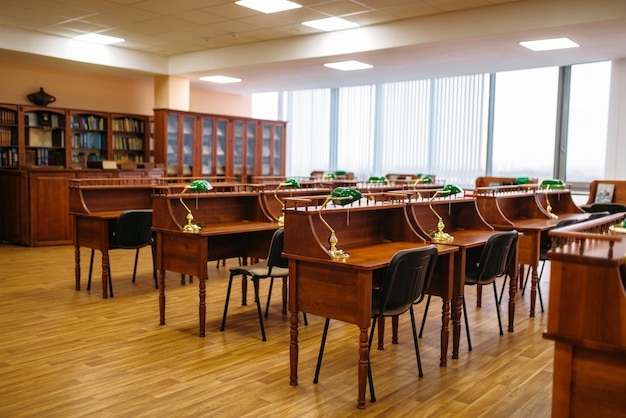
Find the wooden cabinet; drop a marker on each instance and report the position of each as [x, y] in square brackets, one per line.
[34, 209]
[220, 145]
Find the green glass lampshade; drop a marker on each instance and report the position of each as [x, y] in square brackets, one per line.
[522, 180]
[330, 175]
[451, 189]
[344, 195]
[290, 182]
[554, 184]
[199, 186]
[377, 179]
[341, 173]
[426, 179]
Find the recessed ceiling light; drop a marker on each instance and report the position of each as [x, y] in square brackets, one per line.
[549, 44]
[97, 38]
[221, 79]
[330, 24]
[268, 6]
[348, 65]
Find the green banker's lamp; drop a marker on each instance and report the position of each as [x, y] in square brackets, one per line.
[330, 176]
[439, 235]
[194, 186]
[375, 180]
[522, 180]
[289, 183]
[555, 184]
[423, 179]
[339, 196]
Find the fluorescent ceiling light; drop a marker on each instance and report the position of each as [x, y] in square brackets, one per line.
[97, 38]
[348, 65]
[549, 44]
[330, 23]
[221, 79]
[269, 6]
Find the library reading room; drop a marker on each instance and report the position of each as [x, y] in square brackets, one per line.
[313, 208]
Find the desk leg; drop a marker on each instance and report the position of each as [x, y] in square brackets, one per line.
[533, 289]
[445, 332]
[77, 266]
[202, 305]
[161, 297]
[293, 350]
[512, 292]
[363, 349]
[105, 274]
[457, 310]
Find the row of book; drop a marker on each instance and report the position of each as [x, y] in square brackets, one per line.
[45, 157]
[128, 125]
[8, 158]
[7, 117]
[88, 122]
[128, 157]
[79, 158]
[7, 138]
[130, 143]
[89, 140]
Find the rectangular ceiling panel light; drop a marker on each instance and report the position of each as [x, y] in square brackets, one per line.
[330, 24]
[348, 65]
[268, 6]
[97, 38]
[221, 79]
[549, 44]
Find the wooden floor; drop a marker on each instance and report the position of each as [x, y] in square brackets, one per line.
[67, 353]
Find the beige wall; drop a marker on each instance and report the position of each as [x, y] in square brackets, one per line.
[87, 91]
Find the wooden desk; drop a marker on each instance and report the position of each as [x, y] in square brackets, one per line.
[372, 232]
[233, 225]
[518, 210]
[470, 232]
[587, 320]
[95, 205]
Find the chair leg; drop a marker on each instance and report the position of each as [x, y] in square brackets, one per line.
[321, 353]
[502, 290]
[540, 297]
[90, 270]
[230, 285]
[304, 318]
[495, 293]
[154, 271]
[417, 347]
[543, 264]
[255, 282]
[110, 281]
[424, 317]
[370, 378]
[135, 268]
[469, 340]
[269, 296]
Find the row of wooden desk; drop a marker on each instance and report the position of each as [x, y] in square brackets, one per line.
[240, 222]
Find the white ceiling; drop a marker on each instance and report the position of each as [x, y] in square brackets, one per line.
[402, 39]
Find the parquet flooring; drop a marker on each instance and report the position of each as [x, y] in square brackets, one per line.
[67, 353]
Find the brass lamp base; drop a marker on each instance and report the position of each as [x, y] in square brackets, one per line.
[190, 227]
[440, 236]
[335, 252]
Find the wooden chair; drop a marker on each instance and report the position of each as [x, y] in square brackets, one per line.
[133, 231]
[407, 278]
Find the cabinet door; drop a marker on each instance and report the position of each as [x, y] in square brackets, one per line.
[188, 123]
[50, 224]
[251, 133]
[221, 152]
[208, 146]
[266, 149]
[239, 133]
[278, 151]
[172, 145]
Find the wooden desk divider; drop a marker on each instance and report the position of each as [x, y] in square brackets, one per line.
[587, 318]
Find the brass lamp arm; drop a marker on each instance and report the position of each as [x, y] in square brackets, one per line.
[328, 199]
[181, 198]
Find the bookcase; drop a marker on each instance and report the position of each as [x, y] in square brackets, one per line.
[90, 137]
[44, 135]
[130, 138]
[197, 144]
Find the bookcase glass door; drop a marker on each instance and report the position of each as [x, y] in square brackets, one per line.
[278, 146]
[188, 124]
[208, 131]
[220, 154]
[172, 145]
[251, 134]
[238, 148]
[266, 151]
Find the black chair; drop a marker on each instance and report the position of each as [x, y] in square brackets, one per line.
[275, 266]
[544, 247]
[607, 207]
[407, 278]
[133, 231]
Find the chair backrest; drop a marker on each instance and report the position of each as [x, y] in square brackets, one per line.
[496, 256]
[134, 229]
[546, 240]
[597, 215]
[406, 280]
[607, 207]
[275, 258]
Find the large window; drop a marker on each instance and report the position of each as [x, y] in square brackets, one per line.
[588, 119]
[525, 123]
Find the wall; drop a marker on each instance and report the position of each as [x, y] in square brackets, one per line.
[108, 93]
